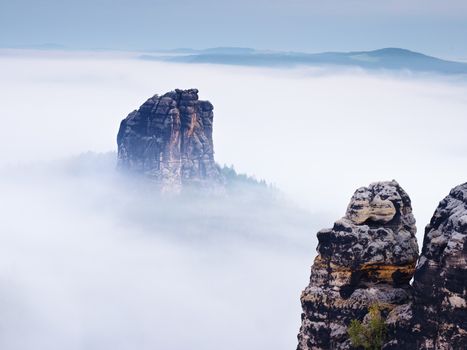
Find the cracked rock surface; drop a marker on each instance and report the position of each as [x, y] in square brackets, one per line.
[437, 318]
[367, 257]
[169, 139]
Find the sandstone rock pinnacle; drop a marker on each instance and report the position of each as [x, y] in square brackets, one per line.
[367, 257]
[169, 139]
[437, 318]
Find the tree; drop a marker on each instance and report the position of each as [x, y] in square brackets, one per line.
[370, 333]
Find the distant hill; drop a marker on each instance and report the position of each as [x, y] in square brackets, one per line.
[387, 58]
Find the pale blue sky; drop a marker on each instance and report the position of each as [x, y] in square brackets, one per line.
[429, 26]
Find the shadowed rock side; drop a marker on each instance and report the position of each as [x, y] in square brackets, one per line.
[169, 139]
[367, 257]
[437, 318]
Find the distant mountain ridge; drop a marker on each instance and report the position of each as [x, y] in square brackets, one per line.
[381, 59]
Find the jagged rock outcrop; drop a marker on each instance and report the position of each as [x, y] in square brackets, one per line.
[169, 139]
[437, 318]
[367, 257]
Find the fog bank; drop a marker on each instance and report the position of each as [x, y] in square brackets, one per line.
[93, 260]
[316, 134]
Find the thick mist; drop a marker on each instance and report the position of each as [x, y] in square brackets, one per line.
[91, 259]
[318, 134]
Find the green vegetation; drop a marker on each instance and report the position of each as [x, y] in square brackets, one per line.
[232, 177]
[370, 333]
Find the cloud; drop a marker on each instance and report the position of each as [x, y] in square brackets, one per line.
[303, 129]
[94, 260]
[90, 261]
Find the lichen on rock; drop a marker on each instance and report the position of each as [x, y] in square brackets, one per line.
[437, 317]
[367, 257]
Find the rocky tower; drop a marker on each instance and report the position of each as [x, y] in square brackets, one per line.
[169, 138]
[367, 257]
[437, 318]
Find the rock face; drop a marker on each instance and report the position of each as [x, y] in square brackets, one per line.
[169, 139]
[368, 256]
[437, 318]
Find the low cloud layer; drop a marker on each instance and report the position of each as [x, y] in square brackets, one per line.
[90, 260]
[93, 260]
[316, 134]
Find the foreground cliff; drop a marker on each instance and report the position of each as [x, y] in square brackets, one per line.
[437, 318]
[369, 255]
[368, 258]
[169, 139]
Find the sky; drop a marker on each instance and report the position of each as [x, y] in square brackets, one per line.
[429, 26]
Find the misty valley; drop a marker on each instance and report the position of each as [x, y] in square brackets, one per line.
[178, 202]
